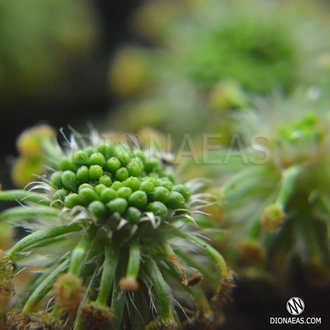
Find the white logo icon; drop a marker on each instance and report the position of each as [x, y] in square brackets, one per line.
[295, 306]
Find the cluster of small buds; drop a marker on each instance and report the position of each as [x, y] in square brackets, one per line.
[100, 207]
[116, 179]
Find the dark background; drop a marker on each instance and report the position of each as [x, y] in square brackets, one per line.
[87, 96]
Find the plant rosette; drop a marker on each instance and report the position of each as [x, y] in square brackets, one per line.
[113, 242]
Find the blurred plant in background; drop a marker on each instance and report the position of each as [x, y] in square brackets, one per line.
[276, 196]
[32, 146]
[208, 56]
[42, 42]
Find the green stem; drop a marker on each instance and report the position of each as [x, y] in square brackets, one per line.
[118, 294]
[45, 242]
[91, 258]
[108, 274]
[288, 181]
[91, 289]
[15, 214]
[24, 196]
[39, 236]
[201, 301]
[192, 262]
[209, 249]
[45, 286]
[242, 176]
[133, 267]
[172, 257]
[80, 250]
[160, 289]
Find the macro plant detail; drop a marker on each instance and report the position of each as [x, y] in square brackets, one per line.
[226, 165]
[114, 243]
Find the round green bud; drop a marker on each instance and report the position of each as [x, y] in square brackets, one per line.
[106, 180]
[154, 181]
[123, 152]
[72, 200]
[83, 174]
[160, 194]
[138, 160]
[134, 168]
[97, 209]
[133, 215]
[88, 151]
[56, 179]
[151, 164]
[87, 195]
[85, 185]
[138, 199]
[69, 180]
[80, 158]
[166, 183]
[106, 149]
[99, 188]
[60, 194]
[175, 201]
[95, 172]
[65, 165]
[158, 208]
[133, 183]
[113, 164]
[121, 174]
[183, 190]
[97, 159]
[147, 186]
[124, 192]
[117, 205]
[116, 185]
[108, 195]
[139, 153]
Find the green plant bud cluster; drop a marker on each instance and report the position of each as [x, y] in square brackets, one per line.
[116, 179]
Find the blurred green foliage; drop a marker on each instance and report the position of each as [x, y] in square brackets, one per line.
[41, 41]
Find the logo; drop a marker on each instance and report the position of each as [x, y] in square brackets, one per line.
[295, 306]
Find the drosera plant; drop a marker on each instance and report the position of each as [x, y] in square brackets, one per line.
[113, 238]
[277, 205]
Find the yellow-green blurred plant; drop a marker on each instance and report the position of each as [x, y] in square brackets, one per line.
[32, 145]
[210, 55]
